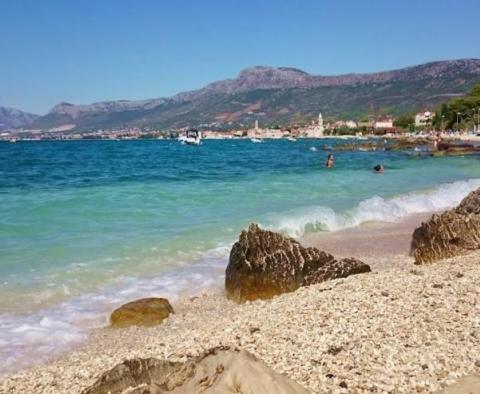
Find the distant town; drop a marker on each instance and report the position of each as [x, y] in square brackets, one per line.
[316, 129]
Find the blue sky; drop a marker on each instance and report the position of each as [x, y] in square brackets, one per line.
[82, 51]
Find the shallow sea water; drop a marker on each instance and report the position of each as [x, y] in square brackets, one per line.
[88, 225]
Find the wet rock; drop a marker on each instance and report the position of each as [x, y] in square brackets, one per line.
[362, 146]
[219, 370]
[447, 149]
[143, 312]
[264, 264]
[408, 143]
[452, 233]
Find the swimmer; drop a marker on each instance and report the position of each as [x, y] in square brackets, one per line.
[330, 161]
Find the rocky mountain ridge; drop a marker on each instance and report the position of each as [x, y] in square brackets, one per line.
[263, 77]
[278, 95]
[13, 118]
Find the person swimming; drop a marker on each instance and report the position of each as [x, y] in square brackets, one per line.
[330, 161]
[379, 168]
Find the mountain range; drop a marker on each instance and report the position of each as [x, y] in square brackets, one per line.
[277, 96]
[12, 118]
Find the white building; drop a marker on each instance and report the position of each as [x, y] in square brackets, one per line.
[424, 118]
[314, 130]
[384, 123]
[351, 124]
[339, 124]
[258, 132]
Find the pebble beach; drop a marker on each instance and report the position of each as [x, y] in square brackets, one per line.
[400, 329]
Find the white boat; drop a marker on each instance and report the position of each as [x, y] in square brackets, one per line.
[191, 137]
[291, 139]
[12, 140]
[256, 140]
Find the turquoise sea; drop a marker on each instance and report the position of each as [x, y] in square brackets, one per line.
[88, 225]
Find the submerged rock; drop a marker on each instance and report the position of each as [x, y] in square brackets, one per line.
[264, 264]
[452, 233]
[143, 312]
[409, 143]
[447, 149]
[220, 370]
[362, 146]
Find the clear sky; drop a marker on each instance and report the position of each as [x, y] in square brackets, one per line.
[82, 51]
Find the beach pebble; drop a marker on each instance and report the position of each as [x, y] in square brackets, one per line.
[338, 337]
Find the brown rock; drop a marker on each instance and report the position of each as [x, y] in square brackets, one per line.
[447, 149]
[143, 312]
[264, 264]
[449, 234]
[408, 143]
[363, 146]
[219, 370]
[470, 204]
[140, 372]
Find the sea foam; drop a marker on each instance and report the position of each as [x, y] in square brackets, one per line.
[374, 209]
[33, 337]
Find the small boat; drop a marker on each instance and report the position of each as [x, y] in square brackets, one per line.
[291, 139]
[256, 140]
[191, 137]
[12, 140]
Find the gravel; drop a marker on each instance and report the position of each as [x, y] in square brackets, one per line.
[413, 329]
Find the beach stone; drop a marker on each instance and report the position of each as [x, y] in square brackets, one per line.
[219, 370]
[264, 264]
[143, 312]
[451, 233]
[140, 373]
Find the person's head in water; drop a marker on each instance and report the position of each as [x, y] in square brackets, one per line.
[378, 168]
[330, 161]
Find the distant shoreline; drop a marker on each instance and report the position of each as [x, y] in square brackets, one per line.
[465, 138]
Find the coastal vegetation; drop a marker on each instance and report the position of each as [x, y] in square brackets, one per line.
[459, 113]
[405, 122]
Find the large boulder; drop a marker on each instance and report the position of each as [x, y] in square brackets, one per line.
[451, 233]
[143, 312]
[217, 371]
[264, 264]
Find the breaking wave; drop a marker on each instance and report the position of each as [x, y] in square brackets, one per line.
[375, 209]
